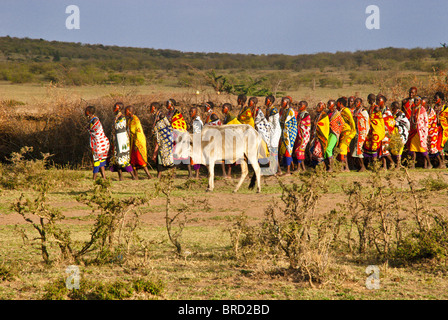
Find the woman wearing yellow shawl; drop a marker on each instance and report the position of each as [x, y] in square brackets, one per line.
[245, 116]
[348, 131]
[377, 130]
[442, 121]
[319, 137]
[137, 137]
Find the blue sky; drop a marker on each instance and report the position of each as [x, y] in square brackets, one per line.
[234, 26]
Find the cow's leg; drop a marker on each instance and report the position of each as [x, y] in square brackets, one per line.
[244, 172]
[211, 176]
[256, 166]
[257, 170]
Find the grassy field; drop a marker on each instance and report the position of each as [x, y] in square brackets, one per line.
[208, 268]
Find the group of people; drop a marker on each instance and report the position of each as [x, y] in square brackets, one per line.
[125, 151]
[344, 129]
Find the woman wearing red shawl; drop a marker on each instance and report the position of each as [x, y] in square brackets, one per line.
[303, 134]
[442, 122]
[418, 135]
[433, 131]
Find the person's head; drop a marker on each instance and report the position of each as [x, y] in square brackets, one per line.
[439, 97]
[118, 107]
[241, 100]
[425, 101]
[381, 100]
[89, 111]
[303, 105]
[253, 102]
[417, 101]
[412, 92]
[226, 108]
[170, 103]
[154, 107]
[320, 107]
[341, 103]
[395, 107]
[269, 100]
[286, 102]
[193, 112]
[209, 106]
[331, 104]
[351, 102]
[129, 111]
[358, 103]
[371, 98]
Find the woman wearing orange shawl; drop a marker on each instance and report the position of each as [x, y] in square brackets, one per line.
[418, 135]
[139, 159]
[442, 122]
[377, 130]
[433, 131]
[319, 137]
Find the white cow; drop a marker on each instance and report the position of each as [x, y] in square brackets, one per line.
[232, 143]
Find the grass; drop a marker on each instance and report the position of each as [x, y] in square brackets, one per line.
[208, 270]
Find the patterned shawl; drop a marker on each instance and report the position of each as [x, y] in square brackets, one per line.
[361, 118]
[443, 127]
[289, 132]
[164, 136]
[276, 131]
[319, 142]
[419, 126]
[377, 131]
[433, 131]
[303, 135]
[121, 143]
[262, 125]
[336, 123]
[246, 117]
[98, 140]
[137, 137]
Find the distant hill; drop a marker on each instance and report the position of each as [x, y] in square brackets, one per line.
[37, 60]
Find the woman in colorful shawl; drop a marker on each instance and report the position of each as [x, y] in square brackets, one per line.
[212, 118]
[120, 144]
[348, 131]
[98, 142]
[418, 135]
[402, 126]
[229, 117]
[409, 102]
[288, 123]
[260, 123]
[163, 151]
[275, 133]
[433, 131]
[137, 137]
[442, 121]
[377, 130]
[389, 125]
[319, 137]
[336, 126]
[303, 135]
[196, 128]
[245, 116]
[361, 118]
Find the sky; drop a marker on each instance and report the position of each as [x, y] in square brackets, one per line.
[233, 26]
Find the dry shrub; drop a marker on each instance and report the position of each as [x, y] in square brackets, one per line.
[293, 230]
